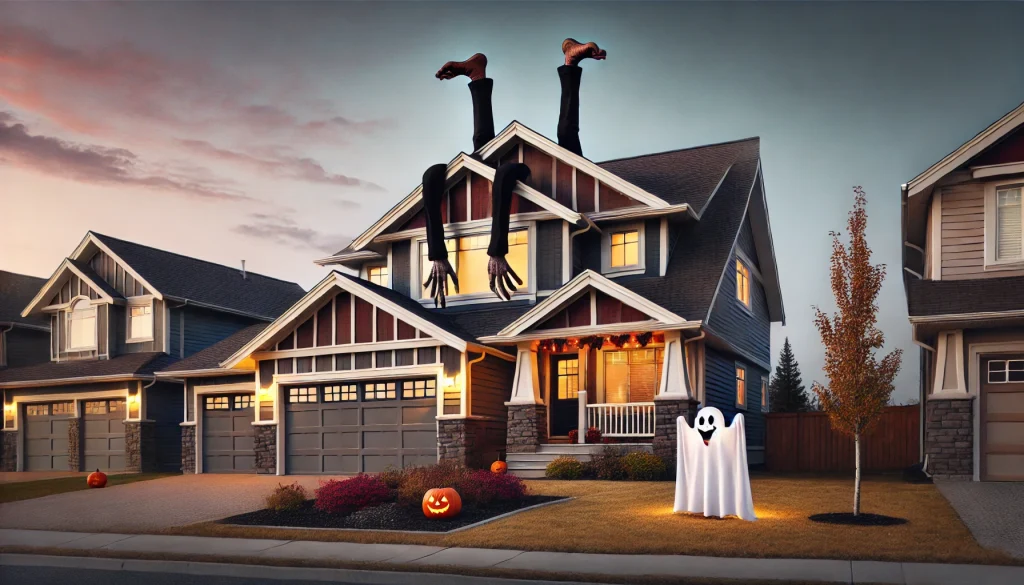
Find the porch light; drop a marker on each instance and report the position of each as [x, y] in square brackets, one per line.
[449, 384]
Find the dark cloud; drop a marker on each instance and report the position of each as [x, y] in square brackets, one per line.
[283, 230]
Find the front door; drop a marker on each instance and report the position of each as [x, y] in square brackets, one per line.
[565, 387]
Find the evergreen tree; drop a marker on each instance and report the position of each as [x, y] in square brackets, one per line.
[786, 392]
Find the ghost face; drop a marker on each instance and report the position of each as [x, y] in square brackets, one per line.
[709, 420]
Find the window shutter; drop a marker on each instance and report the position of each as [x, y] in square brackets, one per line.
[1009, 238]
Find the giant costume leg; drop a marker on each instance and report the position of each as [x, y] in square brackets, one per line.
[569, 76]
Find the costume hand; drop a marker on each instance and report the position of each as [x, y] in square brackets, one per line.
[438, 281]
[501, 277]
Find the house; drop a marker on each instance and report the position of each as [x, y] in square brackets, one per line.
[23, 340]
[117, 312]
[649, 287]
[963, 264]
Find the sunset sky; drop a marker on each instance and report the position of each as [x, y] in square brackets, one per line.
[276, 132]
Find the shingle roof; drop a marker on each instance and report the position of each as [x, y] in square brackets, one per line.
[204, 282]
[129, 365]
[957, 297]
[211, 357]
[16, 291]
[481, 320]
[687, 175]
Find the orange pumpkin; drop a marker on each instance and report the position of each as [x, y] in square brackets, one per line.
[97, 479]
[441, 503]
[499, 467]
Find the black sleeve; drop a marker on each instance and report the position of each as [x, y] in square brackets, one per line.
[501, 204]
[433, 195]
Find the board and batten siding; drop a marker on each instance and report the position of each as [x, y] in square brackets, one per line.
[962, 235]
[401, 267]
[549, 255]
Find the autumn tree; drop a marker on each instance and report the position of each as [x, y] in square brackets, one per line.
[786, 392]
[859, 385]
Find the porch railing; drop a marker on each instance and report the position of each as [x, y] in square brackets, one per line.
[631, 419]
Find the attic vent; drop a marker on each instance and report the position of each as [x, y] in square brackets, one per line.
[243, 269]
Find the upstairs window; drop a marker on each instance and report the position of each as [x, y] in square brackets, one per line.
[378, 275]
[468, 257]
[741, 387]
[625, 249]
[140, 321]
[743, 283]
[764, 394]
[81, 322]
[1009, 239]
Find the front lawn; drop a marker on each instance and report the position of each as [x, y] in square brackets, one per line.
[26, 490]
[636, 517]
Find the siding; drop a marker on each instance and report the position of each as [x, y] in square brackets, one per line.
[963, 234]
[747, 329]
[25, 347]
[175, 348]
[204, 328]
[490, 386]
[401, 266]
[165, 404]
[549, 255]
[720, 391]
[652, 246]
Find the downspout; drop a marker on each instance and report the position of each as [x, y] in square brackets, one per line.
[586, 228]
[922, 397]
[469, 377]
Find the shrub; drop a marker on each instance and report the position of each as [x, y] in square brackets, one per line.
[593, 436]
[287, 497]
[483, 488]
[574, 435]
[608, 464]
[643, 466]
[418, 480]
[392, 477]
[564, 468]
[350, 495]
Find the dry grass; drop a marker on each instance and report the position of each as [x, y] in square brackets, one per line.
[26, 490]
[622, 517]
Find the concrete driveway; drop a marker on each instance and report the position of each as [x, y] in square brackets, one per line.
[148, 505]
[993, 511]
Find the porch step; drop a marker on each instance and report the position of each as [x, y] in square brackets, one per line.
[532, 465]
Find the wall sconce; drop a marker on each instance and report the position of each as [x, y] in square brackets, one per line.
[449, 384]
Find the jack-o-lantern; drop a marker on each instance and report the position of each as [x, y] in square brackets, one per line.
[499, 467]
[441, 503]
[96, 479]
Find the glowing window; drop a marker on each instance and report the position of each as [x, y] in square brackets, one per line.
[342, 393]
[743, 283]
[419, 388]
[764, 395]
[60, 408]
[37, 409]
[568, 377]
[96, 407]
[741, 387]
[81, 322]
[217, 403]
[625, 249]
[632, 375]
[378, 275]
[468, 257]
[302, 395]
[381, 391]
[244, 401]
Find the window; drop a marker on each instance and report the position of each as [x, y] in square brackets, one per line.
[741, 387]
[1005, 371]
[468, 257]
[60, 408]
[244, 401]
[1009, 239]
[116, 405]
[625, 249]
[380, 391]
[302, 395]
[81, 323]
[37, 410]
[140, 321]
[343, 393]
[743, 283]
[217, 403]
[96, 407]
[632, 375]
[568, 379]
[764, 394]
[419, 388]
[378, 275]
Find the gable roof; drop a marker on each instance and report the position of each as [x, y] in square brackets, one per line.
[123, 367]
[16, 290]
[209, 359]
[80, 269]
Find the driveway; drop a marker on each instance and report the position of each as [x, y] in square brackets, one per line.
[993, 511]
[148, 505]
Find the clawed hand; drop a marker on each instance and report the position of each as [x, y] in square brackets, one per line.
[501, 277]
[438, 281]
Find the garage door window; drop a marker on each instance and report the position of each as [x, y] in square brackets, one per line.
[243, 402]
[1005, 371]
[302, 395]
[37, 410]
[95, 408]
[217, 403]
[342, 393]
[380, 391]
[60, 408]
[419, 388]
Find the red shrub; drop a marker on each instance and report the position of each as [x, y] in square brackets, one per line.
[483, 488]
[342, 497]
[418, 480]
[593, 435]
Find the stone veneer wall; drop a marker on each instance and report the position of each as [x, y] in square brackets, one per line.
[188, 449]
[9, 453]
[140, 446]
[665, 414]
[75, 444]
[527, 427]
[266, 448]
[949, 438]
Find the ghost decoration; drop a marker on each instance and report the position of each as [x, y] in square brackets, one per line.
[711, 467]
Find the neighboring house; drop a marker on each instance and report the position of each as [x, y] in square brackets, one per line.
[963, 263]
[23, 340]
[117, 312]
[650, 287]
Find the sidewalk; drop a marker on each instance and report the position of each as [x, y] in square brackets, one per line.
[411, 556]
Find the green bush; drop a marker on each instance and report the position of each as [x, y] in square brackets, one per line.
[643, 466]
[564, 468]
[608, 464]
[286, 497]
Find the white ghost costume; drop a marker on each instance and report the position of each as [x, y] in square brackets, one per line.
[711, 467]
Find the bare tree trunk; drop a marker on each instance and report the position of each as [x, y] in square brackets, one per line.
[856, 481]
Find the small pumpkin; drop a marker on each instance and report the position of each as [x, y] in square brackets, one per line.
[97, 479]
[499, 467]
[441, 503]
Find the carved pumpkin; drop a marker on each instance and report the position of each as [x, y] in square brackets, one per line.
[499, 467]
[97, 479]
[441, 503]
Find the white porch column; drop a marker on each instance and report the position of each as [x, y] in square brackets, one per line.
[675, 383]
[526, 386]
[581, 423]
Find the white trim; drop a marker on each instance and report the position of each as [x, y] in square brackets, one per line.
[140, 301]
[935, 243]
[566, 254]
[68, 315]
[746, 384]
[18, 400]
[651, 325]
[990, 236]
[606, 250]
[362, 374]
[663, 234]
[975, 351]
[942, 349]
[91, 237]
[1012, 168]
[373, 346]
[464, 226]
[967, 316]
[46, 291]
[641, 212]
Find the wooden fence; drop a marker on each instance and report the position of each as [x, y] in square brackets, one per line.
[806, 442]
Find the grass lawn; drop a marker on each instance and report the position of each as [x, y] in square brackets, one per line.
[623, 517]
[26, 490]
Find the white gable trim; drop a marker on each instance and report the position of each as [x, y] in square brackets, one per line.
[48, 289]
[91, 237]
[566, 294]
[335, 280]
[968, 150]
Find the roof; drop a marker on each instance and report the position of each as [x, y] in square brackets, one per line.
[96, 279]
[202, 282]
[484, 319]
[211, 357]
[687, 175]
[929, 298]
[129, 365]
[16, 291]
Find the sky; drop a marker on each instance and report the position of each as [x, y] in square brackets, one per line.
[274, 133]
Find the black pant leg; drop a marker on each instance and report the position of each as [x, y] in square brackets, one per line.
[483, 115]
[569, 109]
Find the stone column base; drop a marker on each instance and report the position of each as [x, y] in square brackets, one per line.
[472, 442]
[949, 438]
[266, 449]
[9, 452]
[527, 427]
[188, 449]
[140, 446]
[665, 414]
[75, 444]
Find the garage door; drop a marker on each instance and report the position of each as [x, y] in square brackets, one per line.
[364, 426]
[46, 436]
[1002, 416]
[104, 434]
[228, 443]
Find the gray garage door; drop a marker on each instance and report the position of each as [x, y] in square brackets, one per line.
[360, 426]
[228, 434]
[46, 436]
[104, 434]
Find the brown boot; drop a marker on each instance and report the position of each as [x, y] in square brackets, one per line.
[474, 68]
[576, 51]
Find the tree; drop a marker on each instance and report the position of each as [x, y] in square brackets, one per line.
[859, 386]
[786, 392]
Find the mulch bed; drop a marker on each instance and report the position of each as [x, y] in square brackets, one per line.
[390, 516]
[862, 519]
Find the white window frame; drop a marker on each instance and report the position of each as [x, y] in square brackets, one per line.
[606, 250]
[748, 303]
[746, 385]
[143, 301]
[602, 369]
[991, 189]
[69, 319]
